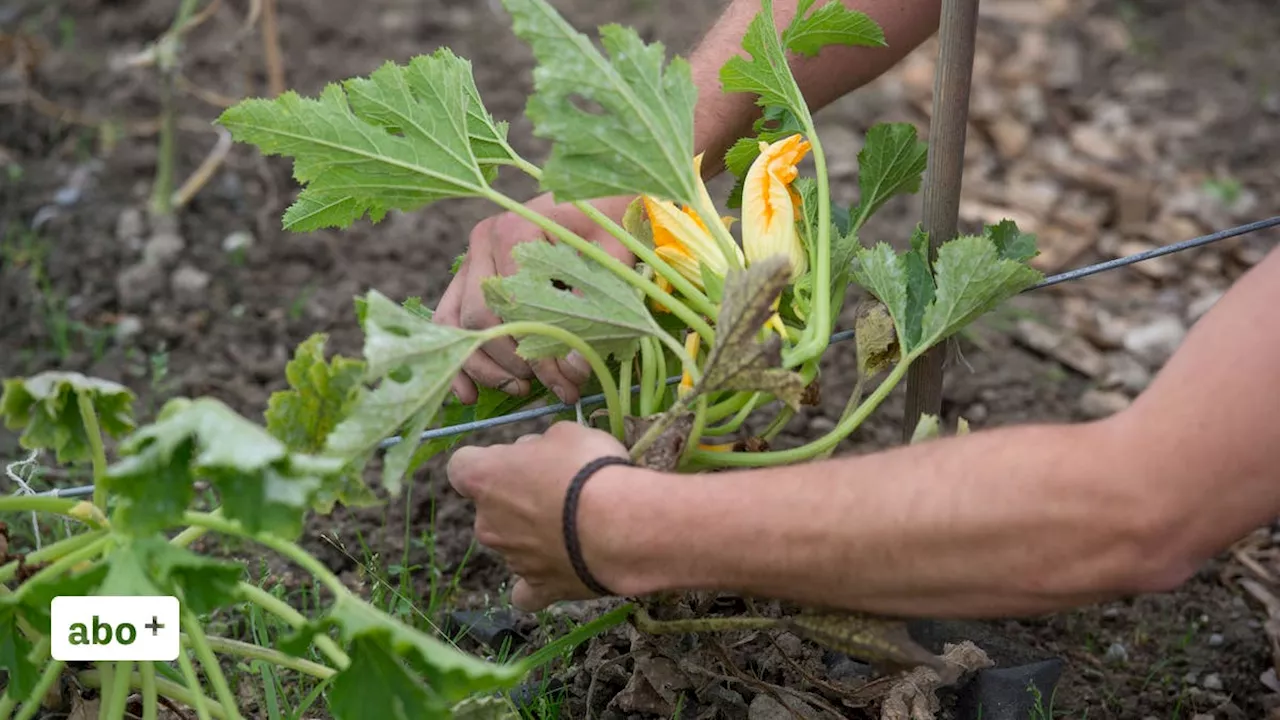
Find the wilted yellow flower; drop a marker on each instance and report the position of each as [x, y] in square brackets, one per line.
[770, 205]
[692, 342]
[681, 238]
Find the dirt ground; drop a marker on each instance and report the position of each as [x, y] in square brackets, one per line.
[1105, 126]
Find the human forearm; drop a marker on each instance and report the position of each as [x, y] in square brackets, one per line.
[1002, 522]
[1006, 521]
[721, 118]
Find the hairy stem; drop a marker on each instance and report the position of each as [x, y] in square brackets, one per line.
[823, 444]
[89, 417]
[150, 701]
[733, 405]
[167, 50]
[170, 689]
[614, 265]
[660, 379]
[607, 385]
[51, 552]
[199, 701]
[288, 549]
[74, 509]
[295, 619]
[275, 657]
[63, 564]
[212, 668]
[122, 674]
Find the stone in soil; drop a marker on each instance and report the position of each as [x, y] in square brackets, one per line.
[188, 285]
[138, 284]
[163, 248]
[1156, 341]
[1070, 350]
[1098, 404]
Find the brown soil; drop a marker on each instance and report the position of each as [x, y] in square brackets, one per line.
[1194, 82]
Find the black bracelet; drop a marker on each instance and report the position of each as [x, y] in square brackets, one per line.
[570, 520]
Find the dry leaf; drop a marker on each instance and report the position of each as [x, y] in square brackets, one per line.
[664, 454]
[914, 695]
[882, 642]
[875, 338]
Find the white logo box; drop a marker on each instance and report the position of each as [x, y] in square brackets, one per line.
[109, 628]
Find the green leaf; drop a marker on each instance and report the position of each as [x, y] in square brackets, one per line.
[14, 652]
[738, 361]
[902, 282]
[379, 684]
[971, 278]
[400, 139]
[891, 163]
[414, 305]
[636, 222]
[767, 74]
[927, 428]
[262, 483]
[321, 395]
[620, 124]
[1011, 243]
[605, 312]
[36, 600]
[920, 289]
[47, 409]
[415, 361]
[152, 566]
[831, 24]
[451, 673]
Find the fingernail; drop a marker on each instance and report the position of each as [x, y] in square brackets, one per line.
[505, 384]
[579, 363]
[559, 392]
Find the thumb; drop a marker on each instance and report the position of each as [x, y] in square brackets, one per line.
[526, 598]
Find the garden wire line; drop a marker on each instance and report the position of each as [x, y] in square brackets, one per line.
[592, 400]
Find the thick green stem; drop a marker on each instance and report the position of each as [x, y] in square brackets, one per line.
[295, 619]
[732, 405]
[736, 423]
[275, 657]
[816, 336]
[660, 379]
[822, 444]
[167, 51]
[648, 369]
[51, 552]
[614, 265]
[7, 703]
[150, 700]
[67, 507]
[695, 434]
[89, 417]
[62, 565]
[205, 707]
[607, 385]
[122, 673]
[200, 702]
[624, 385]
[289, 550]
[212, 668]
[35, 699]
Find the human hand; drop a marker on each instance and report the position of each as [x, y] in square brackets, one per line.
[496, 363]
[519, 492]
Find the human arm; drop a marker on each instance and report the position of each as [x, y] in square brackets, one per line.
[719, 119]
[1002, 522]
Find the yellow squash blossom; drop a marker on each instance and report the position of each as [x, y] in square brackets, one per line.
[769, 204]
[682, 239]
[692, 342]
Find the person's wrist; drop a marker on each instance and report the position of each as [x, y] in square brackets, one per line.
[620, 529]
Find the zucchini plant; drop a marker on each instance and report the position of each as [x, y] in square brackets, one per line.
[744, 318]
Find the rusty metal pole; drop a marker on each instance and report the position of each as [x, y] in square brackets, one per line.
[957, 35]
